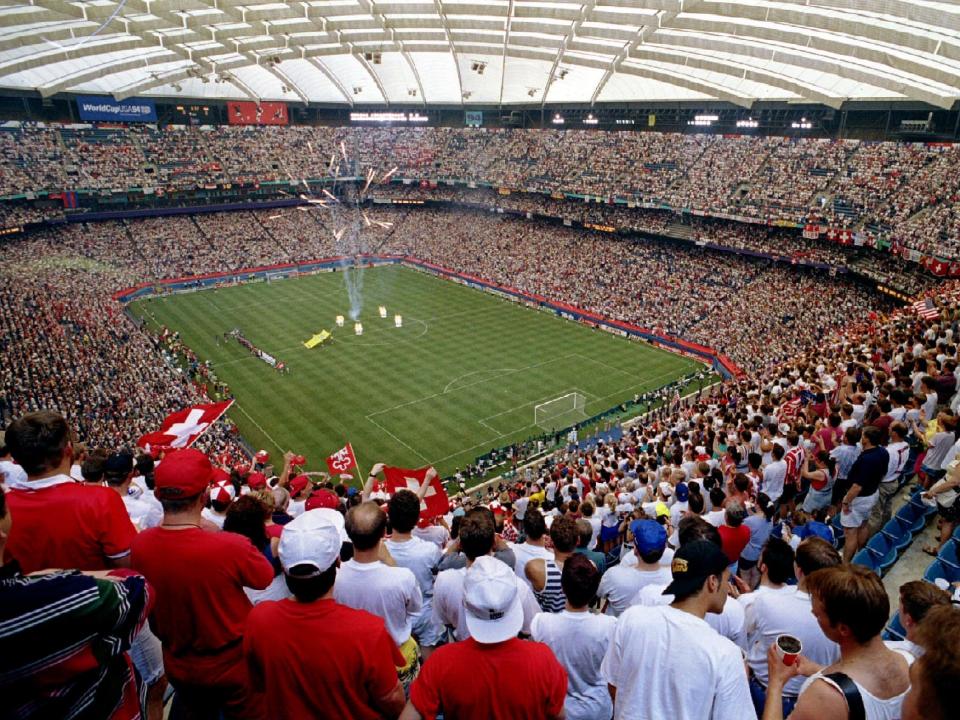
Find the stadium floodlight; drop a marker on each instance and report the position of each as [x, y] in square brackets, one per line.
[557, 119]
[748, 123]
[560, 412]
[591, 120]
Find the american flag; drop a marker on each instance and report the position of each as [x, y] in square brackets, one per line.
[926, 309]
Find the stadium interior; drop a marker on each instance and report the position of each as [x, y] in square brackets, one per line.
[590, 260]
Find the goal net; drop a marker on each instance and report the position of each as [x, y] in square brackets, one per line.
[560, 412]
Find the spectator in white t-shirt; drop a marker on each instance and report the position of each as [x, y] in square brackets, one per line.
[221, 495]
[667, 662]
[420, 557]
[118, 471]
[476, 539]
[774, 474]
[579, 640]
[621, 583]
[917, 598]
[776, 571]
[11, 474]
[851, 607]
[790, 613]
[365, 582]
[535, 545]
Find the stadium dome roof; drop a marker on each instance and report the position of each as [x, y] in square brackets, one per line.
[452, 52]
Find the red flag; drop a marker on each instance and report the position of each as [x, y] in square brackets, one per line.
[342, 461]
[434, 503]
[182, 428]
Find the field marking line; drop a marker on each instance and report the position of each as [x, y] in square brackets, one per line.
[399, 341]
[260, 427]
[535, 402]
[587, 358]
[466, 450]
[422, 457]
[446, 388]
[463, 387]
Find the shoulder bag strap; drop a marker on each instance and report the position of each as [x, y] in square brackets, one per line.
[851, 694]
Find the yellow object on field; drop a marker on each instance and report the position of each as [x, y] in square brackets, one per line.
[316, 339]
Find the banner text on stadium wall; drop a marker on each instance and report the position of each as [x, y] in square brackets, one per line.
[103, 108]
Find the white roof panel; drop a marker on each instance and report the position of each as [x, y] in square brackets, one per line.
[621, 50]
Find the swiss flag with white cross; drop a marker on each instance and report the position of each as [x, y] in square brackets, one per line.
[435, 501]
[182, 428]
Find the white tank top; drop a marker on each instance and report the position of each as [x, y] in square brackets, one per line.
[875, 708]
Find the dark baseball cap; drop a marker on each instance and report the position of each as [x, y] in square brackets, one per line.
[692, 564]
[119, 463]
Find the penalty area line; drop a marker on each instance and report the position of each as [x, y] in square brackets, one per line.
[260, 427]
[422, 457]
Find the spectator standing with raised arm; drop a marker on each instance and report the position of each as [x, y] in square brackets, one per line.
[420, 557]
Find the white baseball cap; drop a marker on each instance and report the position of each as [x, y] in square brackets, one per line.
[310, 539]
[336, 518]
[491, 599]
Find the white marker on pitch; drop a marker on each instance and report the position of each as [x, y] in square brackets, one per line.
[383, 311]
[339, 320]
[397, 321]
[358, 328]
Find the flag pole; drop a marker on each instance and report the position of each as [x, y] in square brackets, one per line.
[356, 466]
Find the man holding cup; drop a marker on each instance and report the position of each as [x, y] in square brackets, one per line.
[869, 680]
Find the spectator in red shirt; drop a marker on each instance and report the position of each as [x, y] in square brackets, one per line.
[312, 656]
[492, 674]
[61, 523]
[734, 534]
[199, 576]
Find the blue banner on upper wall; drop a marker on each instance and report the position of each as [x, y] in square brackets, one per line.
[103, 108]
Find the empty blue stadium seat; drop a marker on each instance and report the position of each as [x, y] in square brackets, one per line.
[948, 553]
[884, 551]
[898, 532]
[914, 515]
[867, 559]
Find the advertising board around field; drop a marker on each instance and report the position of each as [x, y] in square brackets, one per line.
[103, 108]
[251, 113]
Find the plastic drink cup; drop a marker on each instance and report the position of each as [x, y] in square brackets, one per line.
[788, 648]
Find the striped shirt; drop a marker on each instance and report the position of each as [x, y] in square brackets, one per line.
[551, 598]
[64, 638]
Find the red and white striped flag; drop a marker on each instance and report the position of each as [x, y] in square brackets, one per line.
[182, 428]
[926, 309]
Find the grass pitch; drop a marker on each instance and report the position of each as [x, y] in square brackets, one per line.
[461, 377]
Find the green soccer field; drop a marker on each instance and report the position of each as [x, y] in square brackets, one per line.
[461, 377]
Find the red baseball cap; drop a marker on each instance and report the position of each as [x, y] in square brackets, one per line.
[297, 484]
[322, 499]
[256, 480]
[182, 474]
[262, 456]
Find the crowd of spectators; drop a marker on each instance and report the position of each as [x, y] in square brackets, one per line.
[905, 192]
[700, 545]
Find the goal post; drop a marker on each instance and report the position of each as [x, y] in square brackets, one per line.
[561, 411]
